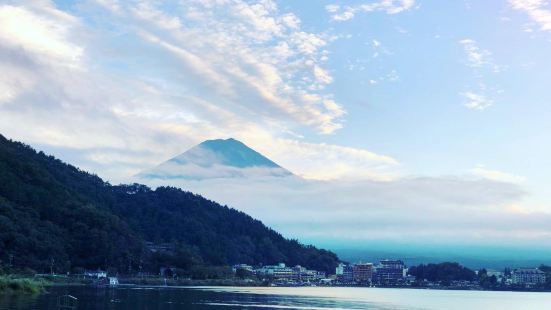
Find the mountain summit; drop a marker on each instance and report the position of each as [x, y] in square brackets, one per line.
[218, 158]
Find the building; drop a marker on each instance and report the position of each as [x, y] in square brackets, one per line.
[246, 267]
[499, 275]
[278, 272]
[282, 273]
[362, 273]
[390, 272]
[96, 274]
[339, 270]
[528, 276]
[347, 275]
[301, 274]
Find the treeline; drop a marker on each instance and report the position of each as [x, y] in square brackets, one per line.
[445, 273]
[55, 217]
[442, 272]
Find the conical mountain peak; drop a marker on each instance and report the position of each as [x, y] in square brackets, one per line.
[219, 158]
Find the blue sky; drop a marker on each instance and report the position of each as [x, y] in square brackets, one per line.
[416, 106]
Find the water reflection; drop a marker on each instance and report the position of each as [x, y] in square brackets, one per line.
[275, 298]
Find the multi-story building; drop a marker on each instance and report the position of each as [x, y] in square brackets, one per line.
[347, 275]
[339, 270]
[301, 274]
[528, 276]
[278, 272]
[283, 273]
[243, 267]
[362, 273]
[390, 272]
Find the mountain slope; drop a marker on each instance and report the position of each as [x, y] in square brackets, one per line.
[51, 211]
[219, 158]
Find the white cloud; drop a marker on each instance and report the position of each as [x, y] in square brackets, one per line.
[496, 175]
[254, 74]
[270, 64]
[332, 8]
[326, 161]
[405, 209]
[477, 57]
[538, 10]
[476, 101]
[340, 14]
[482, 63]
[40, 32]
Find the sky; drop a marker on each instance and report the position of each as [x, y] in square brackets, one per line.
[407, 119]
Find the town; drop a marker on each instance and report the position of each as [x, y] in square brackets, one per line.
[386, 273]
[394, 273]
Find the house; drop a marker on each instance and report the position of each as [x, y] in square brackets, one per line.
[96, 274]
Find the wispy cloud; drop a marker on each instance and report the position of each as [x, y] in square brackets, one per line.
[480, 58]
[266, 62]
[496, 175]
[476, 101]
[477, 57]
[42, 32]
[538, 10]
[250, 56]
[344, 13]
[209, 69]
[482, 63]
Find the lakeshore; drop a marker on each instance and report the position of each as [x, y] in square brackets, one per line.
[14, 284]
[228, 297]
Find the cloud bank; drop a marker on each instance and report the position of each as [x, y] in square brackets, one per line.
[427, 210]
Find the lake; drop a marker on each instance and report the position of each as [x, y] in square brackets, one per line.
[315, 298]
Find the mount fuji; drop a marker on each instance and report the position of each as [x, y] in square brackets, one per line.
[216, 159]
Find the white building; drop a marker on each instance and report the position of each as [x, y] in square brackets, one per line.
[113, 281]
[528, 276]
[96, 274]
[339, 271]
[279, 272]
[243, 267]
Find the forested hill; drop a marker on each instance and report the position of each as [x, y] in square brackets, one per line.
[54, 213]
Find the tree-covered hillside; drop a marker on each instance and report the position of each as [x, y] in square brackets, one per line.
[53, 214]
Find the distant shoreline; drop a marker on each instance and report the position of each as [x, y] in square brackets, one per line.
[231, 283]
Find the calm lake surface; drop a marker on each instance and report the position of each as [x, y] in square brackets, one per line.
[277, 298]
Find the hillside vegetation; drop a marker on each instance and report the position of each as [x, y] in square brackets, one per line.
[56, 216]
